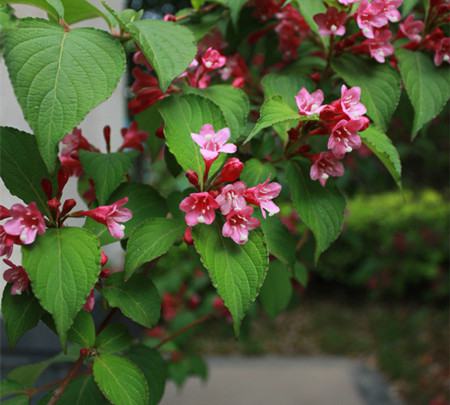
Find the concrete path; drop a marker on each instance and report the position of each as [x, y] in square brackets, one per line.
[284, 381]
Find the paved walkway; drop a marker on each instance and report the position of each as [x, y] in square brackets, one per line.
[284, 381]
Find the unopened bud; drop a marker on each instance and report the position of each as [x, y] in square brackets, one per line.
[160, 133]
[188, 236]
[68, 205]
[103, 259]
[192, 177]
[46, 185]
[231, 170]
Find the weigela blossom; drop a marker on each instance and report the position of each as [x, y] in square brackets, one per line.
[212, 59]
[7, 242]
[71, 144]
[370, 16]
[309, 104]
[262, 196]
[133, 138]
[442, 52]
[17, 276]
[390, 9]
[347, 2]
[412, 28]
[344, 137]
[325, 165]
[379, 46]
[200, 208]
[350, 102]
[26, 222]
[112, 216]
[212, 143]
[232, 197]
[238, 224]
[332, 22]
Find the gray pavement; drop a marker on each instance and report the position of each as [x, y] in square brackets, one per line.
[284, 381]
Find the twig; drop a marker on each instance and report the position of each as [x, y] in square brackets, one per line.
[106, 321]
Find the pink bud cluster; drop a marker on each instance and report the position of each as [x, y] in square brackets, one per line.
[105, 273]
[231, 200]
[341, 120]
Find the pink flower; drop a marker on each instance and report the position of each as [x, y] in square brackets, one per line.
[324, 166]
[309, 104]
[17, 276]
[379, 46]
[332, 22]
[231, 171]
[412, 29]
[112, 216]
[232, 197]
[262, 195]
[68, 157]
[212, 59]
[350, 103]
[212, 143]
[347, 2]
[200, 208]
[370, 16]
[90, 302]
[133, 138]
[344, 137]
[442, 51]
[238, 224]
[7, 242]
[390, 9]
[26, 222]
[4, 212]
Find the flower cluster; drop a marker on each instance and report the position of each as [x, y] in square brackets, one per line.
[226, 194]
[341, 120]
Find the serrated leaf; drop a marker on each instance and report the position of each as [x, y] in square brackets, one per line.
[120, 380]
[63, 266]
[154, 368]
[150, 240]
[114, 338]
[107, 170]
[83, 330]
[301, 273]
[59, 76]
[275, 111]
[380, 86]
[232, 102]
[20, 314]
[320, 208]
[276, 291]
[280, 242]
[169, 47]
[427, 86]
[21, 166]
[236, 271]
[138, 298]
[256, 172]
[182, 116]
[380, 144]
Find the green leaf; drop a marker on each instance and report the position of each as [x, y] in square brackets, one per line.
[182, 116]
[154, 368]
[380, 85]
[301, 273]
[59, 76]
[235, 7]
[83, 330]
[427, 86]
[100, 231]
[309, 8]
[19, 400]
[256, 172]
[63, 266]
[275, 111]
[8, 388]
[276, 291]
[150, 240]
[236, 271]
[169, 47]
[120, 380]
[380, 144]
[82, 391]
[107, 170]
[114, 338]
[21, 166]
[138, 298]
[232, 102]
[58, 7]
[280, 242]
[20, 314]
[320, 208]
[27, 375]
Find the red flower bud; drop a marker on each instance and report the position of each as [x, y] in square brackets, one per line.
[170, 17]
[103, 259]
[160, 133]
[107, 136]
[192, 177]
[188, 236]
[194, 301]
[84, 352]
[46, 185]
[54, 204]
[68, 205]
[63, 177]
[231, 170]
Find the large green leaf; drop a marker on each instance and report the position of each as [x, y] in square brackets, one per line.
[59, 76]
[20, 314]
[154, 368]
[276, 291]
[120, 380]
[380, 86]
[236, 271]
[256, 172]
[138, 298]
[83, 330]
[232, 102]
[150, 240]
[114, 338]
[320, 208]
[82, 391]
[427, 86]
[63, 266]
[380, 144]
[169, 47]
[107, 170]
[182, 116]
[21, 166]
[280, 242]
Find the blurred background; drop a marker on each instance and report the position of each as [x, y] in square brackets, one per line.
[378, 299]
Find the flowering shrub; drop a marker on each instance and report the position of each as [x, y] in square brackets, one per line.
[243, 114]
